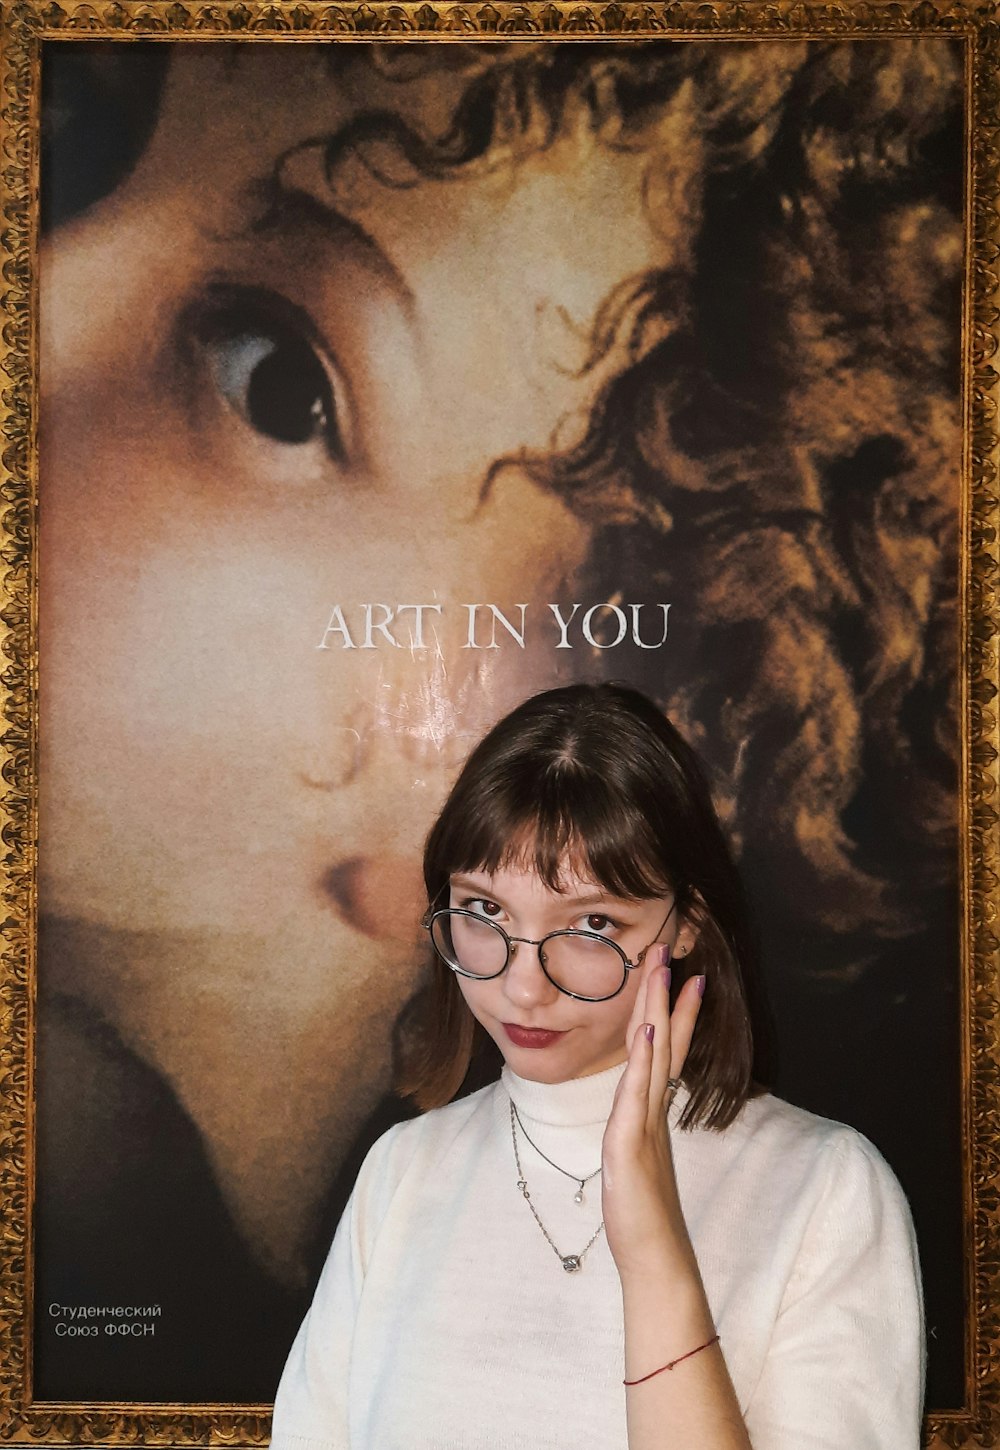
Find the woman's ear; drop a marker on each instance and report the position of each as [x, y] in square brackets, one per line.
[690, 925]
[684, 941]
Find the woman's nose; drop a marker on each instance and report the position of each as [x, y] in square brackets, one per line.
[524, 982]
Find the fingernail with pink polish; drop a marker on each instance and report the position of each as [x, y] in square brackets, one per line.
[666, 978]
[701, 986]
[649, 1029]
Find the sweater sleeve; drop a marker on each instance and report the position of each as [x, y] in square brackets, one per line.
[310, 1409]
[845, 1364]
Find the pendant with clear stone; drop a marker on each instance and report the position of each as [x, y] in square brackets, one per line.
[571, 1262]
[578, 1195]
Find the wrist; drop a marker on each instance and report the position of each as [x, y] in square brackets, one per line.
[663, 1319]
[667, 1274]
[660, 1237]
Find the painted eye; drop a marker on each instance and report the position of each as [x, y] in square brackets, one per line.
[276, 383]
[270, 369]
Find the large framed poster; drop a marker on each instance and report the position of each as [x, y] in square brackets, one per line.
[366, 369]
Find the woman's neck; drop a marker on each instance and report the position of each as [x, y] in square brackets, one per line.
[575, 1103]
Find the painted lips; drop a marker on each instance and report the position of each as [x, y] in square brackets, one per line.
[531, 1036]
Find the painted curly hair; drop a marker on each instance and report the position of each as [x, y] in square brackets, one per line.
[778, 453]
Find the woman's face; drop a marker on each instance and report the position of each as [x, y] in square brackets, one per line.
[544, 1034]
[241, 429]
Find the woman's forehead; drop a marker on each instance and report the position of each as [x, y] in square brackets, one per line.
[573, 881]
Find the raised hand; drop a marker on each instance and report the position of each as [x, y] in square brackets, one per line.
[642, 1214]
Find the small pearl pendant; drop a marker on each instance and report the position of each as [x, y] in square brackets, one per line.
[578, 1195]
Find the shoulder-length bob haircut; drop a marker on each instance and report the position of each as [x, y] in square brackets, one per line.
[594, 777]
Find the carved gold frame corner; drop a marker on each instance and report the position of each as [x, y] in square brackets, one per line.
[24, 26]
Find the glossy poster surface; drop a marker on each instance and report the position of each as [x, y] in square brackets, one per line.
[382, 385]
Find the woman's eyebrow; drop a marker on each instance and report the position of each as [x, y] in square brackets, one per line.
[292, 208]
[606, 898]
[467, 883]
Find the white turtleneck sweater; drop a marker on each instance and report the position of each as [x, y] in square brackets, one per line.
[444, 1319]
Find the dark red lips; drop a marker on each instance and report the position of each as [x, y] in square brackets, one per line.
[531, 1036]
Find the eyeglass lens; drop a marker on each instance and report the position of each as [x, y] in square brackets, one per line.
[582, 965]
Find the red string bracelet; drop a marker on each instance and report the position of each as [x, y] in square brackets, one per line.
[707, 1345]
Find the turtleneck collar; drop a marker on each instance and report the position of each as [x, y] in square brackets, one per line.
[574, 1104]
[579, 1103]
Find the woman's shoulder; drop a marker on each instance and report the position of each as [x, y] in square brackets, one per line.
[771, 1120]
[415, 1140]
[765, 1112]
[806, 1152]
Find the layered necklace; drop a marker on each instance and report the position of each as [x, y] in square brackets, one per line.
[570, 1262]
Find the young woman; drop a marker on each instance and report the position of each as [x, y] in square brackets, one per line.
[627, 1203]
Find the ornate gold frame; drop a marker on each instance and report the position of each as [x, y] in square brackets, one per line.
[23, 27]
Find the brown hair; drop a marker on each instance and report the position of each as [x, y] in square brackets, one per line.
[596, 775]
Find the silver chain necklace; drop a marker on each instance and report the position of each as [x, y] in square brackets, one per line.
[574, 1177]
[570, 1262]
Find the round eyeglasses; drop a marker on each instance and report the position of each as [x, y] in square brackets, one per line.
[582, 964]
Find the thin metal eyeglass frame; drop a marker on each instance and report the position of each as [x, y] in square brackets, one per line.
[431, 917]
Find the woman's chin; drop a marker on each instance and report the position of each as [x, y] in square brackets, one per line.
[553, 1061]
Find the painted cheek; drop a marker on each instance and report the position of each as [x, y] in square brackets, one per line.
[380, 897]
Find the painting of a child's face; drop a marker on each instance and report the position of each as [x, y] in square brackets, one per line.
[254, 414]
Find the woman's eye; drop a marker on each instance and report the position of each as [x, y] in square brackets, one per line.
[597, 922]
[482, 907]
[270, 371]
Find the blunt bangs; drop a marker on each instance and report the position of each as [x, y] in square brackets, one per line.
[592, 777]
[556, 820]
